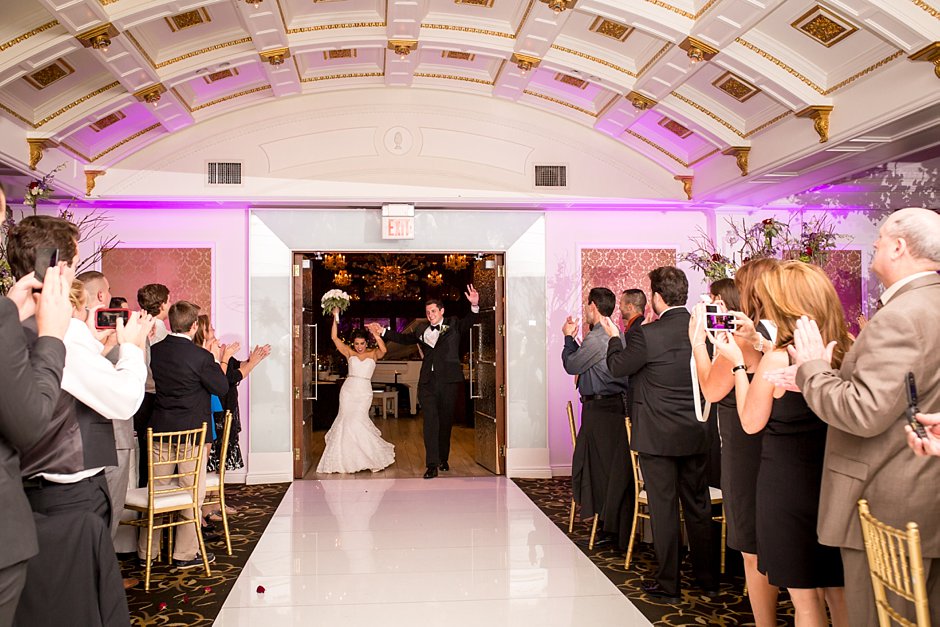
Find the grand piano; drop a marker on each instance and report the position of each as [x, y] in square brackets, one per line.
[405, 372]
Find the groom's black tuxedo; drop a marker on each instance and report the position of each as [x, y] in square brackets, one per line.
[441, 374]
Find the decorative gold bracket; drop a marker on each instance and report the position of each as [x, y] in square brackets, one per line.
[36, 147]
[931, 54]
[150, 95]
[697, 49]
[402, 47]
[98, 37]
[90, 176]
[275, 57]
[686, 184]
[524, 62]
[819, 114]
[559, 6]
[639, 101]
[740, 154]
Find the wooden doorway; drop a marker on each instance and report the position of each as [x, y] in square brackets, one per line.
[316, 385]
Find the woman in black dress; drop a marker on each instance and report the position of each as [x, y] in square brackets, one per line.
[793, 445]
[740, 452]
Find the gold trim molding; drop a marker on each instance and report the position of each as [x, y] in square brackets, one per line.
[594, 59]
[767, 124]
[695, 105]
[740, 154]
[452, 77]
[653, 144]
[467, 29]
[319, 27]
[21, 38]
[239, 94]
[560, 102]
[75, 103]
[189, 55]
[931, 54]
[330, 77]
[90, 176]
[525, 16]
[653, 59]
[125, 140]
[819, 114]
[926, 7]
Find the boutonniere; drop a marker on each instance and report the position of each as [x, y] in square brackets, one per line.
[444, 328]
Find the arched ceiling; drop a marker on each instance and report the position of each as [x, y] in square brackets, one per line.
[774, 73]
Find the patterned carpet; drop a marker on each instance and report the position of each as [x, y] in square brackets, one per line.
[730, 607]
[188, 597]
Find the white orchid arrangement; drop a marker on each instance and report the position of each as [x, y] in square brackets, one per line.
[334, 299]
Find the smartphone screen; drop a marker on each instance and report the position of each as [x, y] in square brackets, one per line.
[107, 318]
[717, 321]
[45, 259]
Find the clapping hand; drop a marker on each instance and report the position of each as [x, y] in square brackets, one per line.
[808, 343]
[229, 350]
[259, 353]
[473, 296]
[929, 445]
[570, 327]
[609, 327]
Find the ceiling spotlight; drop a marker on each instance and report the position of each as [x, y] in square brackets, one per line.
[696, 55]
[275, 57]
[101, 43]
[697, 50]
[152, 98]
[150, 95]
[558, 6]
[254, 3]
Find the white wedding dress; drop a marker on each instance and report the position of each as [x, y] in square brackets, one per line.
[353, 443]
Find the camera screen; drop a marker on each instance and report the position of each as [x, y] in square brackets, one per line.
[720, 322]
[107, 318]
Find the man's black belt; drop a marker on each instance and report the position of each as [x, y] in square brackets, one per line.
[38, 482]
[599, 397]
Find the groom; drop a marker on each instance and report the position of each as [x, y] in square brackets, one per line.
[441, 373]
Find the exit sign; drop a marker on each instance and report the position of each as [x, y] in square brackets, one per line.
[398, 227]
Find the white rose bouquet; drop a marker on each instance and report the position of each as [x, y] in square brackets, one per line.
[334, 298]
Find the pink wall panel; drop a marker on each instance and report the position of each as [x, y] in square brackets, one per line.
[187, 272]
[619, 269]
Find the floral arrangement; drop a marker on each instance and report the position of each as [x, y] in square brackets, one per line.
[334, 299]
[767, 238]
[40, 189]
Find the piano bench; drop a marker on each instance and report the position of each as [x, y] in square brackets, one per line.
[388, 401]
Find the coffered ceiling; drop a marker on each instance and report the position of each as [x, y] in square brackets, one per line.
[624, 68]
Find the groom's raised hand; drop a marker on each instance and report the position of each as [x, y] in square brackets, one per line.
[473, 296]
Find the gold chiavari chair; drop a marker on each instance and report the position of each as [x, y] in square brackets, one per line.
[164, 498]
[574, 443]
[215, 482]
[896, 563]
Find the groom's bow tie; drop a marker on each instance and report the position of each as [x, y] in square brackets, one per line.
[435, 327]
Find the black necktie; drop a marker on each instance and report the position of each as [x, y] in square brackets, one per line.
[435, 327]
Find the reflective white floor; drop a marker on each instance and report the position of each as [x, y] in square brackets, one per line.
[402, 552]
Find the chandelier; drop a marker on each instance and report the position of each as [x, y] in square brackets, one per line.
[342, 279]
[455, 263]
[434, 278]
[334, 262]
[391, 276]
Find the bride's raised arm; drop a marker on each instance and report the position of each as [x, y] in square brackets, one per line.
[380, 349]
[340, 346]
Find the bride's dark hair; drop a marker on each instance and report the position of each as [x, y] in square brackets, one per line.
[360, 334]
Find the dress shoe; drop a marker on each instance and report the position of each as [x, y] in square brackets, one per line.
[603, 541]
[444, 466]
[431, 472]
[655, 591]
[130, 582]
[210, 535]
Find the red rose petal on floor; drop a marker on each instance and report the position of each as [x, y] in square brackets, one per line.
[185, 599]
[207, 589]
[162, 605]
[260, 590]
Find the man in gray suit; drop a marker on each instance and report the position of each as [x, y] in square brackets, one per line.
[31, 386]
[864, 403]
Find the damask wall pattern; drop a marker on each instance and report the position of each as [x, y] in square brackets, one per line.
[844, 268]
[621, 268]
[187, 272]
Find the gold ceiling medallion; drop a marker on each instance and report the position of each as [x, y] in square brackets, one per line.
[697, 50]
[686, 184]
[639, 101]
[98, 37]
[488, 4]
[931, 54]
[819, 114]
[275, 57]
[567, 79]
[824, 26]
[187, 20]
[90, 176]
[150, 95]
[671, 125]
[107, 121]
[736, 87]
[345, 53]
[36, 147]
[402, 47]
[608, 28]
[53, 72]
[453, 54]
[220, 75]
[559, 6]
[740, 154]
[524, 62]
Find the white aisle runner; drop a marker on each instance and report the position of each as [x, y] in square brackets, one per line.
[462, 552]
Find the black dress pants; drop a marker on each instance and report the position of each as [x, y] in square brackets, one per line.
[668, 481]
[438, 400]
[141, 422]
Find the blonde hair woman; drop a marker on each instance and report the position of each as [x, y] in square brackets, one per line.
[793, 445]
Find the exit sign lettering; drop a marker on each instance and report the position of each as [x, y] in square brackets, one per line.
[398, 227]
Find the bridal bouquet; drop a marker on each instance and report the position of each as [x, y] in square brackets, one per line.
[334, 298]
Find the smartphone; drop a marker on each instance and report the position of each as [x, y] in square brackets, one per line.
[45, 259]
[107, 318]
[912, 409]
[716, 321]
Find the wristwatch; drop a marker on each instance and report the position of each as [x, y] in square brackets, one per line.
[739, 367]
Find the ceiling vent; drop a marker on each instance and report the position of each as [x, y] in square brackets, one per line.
[551, 176]
[224, 173]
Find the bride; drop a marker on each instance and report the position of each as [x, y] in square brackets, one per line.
[353, 443]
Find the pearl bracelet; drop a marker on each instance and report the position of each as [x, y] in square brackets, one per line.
[759, 346]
